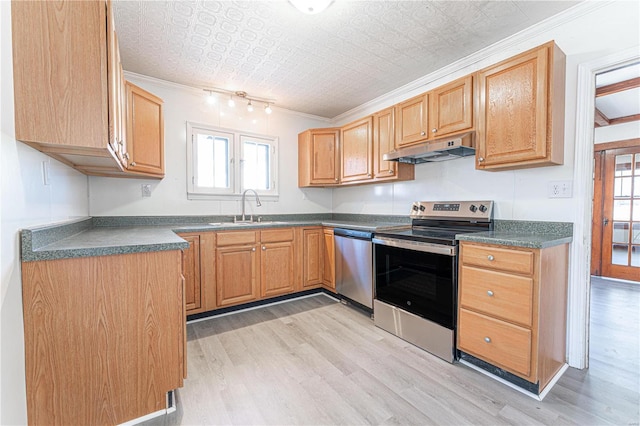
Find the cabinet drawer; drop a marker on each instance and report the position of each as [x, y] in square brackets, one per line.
[276, 235]
[236, 238]
[498, 258]
[506, 296]
[497, 342]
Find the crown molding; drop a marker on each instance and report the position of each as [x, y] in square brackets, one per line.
[503, 46]
[199, 91]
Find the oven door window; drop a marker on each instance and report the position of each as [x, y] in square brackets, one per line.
[418, 282]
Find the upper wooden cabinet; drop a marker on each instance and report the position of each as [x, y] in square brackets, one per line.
[145, 132]
[451, 108]
[318, 157]
[68, 84]
[357, 151]
[383, 142]
[411, 121]
[521, 119]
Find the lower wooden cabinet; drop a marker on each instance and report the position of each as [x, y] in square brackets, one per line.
[236, 267]
[191, 272]
[277, 262]
[512, 308]
[104, 336]
[312, 262]
[329, 259]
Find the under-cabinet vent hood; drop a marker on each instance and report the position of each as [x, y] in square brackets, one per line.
[438, 150]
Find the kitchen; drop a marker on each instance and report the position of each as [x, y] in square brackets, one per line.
[519, 194]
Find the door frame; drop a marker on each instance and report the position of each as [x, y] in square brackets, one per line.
[580, 268]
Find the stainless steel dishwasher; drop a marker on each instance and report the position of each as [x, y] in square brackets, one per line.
[354, 265]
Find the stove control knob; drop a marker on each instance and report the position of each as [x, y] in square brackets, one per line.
[422, 208]
[473, 208]
[483, 208]
[414, 208]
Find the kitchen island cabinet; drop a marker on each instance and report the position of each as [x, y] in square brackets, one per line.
[521, 114]
[512, 309]
[104, 336]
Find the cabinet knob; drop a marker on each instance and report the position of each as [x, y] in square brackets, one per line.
[490, 293]
[126, 155]
[422, 133]
[368, 174]
[263, 248]
[253, 249]
[487, 339]
[336, 179]
[480, 159]
[490, 257]
[434, 130]
[133, 163]
[390, 172]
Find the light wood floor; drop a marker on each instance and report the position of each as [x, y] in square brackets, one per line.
[314, 361]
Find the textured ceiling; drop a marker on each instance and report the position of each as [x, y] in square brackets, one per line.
[323, 64]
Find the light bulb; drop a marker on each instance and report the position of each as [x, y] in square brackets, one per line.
[311, 7]
[249, 107]
[231, 102]
[267, 109]
[211, 99]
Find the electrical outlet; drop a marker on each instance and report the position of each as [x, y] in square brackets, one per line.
[560, 189]
[146, 190]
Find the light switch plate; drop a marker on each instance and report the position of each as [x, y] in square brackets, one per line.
[560, 189]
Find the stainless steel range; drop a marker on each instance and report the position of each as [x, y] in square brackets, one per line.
[416, 273]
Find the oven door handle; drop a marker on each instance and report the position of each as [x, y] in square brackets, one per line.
[419, 246]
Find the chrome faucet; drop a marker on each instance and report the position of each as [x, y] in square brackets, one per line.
[244, 199]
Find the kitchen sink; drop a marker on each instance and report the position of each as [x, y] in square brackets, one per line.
[262, 223]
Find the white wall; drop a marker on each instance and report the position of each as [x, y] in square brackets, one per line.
[519, 194]
[122, 197]
[25, 202]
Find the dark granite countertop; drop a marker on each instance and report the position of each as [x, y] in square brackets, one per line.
[524, 234]
[108, 236]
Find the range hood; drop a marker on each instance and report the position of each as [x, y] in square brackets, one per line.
[437, 150]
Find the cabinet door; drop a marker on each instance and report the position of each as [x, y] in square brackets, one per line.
[515, 126]
[277, 268]
[451, 108]
[411, 121]
[318, 157]
[357, 151]
[191, 272]
[60, 74]
[329, 258]
[236, 279]
[145, 131]
[383, 142]
[313, 242]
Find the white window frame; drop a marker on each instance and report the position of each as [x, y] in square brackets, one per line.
[236, 164]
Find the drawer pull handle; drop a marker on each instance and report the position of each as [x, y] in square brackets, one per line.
[489, 293]
[490, 257]
[487, 339]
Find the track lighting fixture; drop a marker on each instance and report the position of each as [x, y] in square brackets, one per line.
[242, 95]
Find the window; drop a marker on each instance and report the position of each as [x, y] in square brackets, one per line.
[222, 163]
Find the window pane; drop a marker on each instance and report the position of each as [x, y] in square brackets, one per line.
[620, 254]
[212, 161]
[635, 233]
[621, 210]
[623, 165]
[636, 210]
[636, 184]
[622, 186]
[257, 167]
[637, 167]
[620, 232]
[635, 256]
